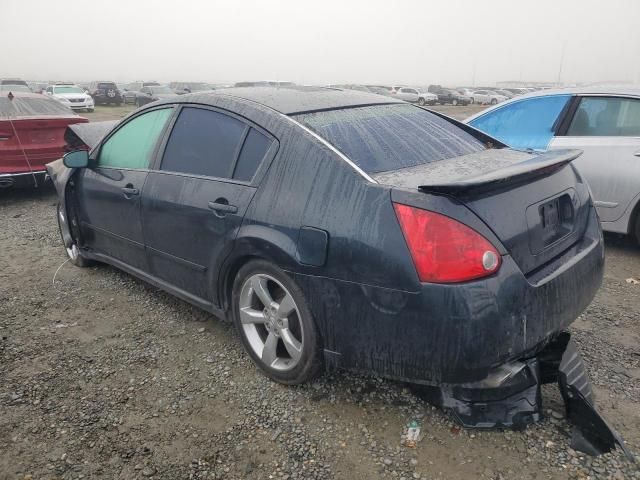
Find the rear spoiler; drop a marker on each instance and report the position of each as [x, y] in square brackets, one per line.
[537, 166]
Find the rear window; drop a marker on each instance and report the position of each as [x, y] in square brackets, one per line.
[381, 138]
[107, 85]
[32, 106]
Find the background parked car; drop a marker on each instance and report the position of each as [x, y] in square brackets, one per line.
[446, 96]
[386, 91]
[132, 90]
[603, 123]
[14, 88]
[414, 95]
[505, 93]
[37, 87]
[105, 93]
[71, 96]
[467, 92]
[14, 81]
[32, 128]
[153, 93]
[487, 97]
[181, 88]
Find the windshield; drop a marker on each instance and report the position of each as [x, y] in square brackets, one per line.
[390, 137]
[163, 89]
[67, 90]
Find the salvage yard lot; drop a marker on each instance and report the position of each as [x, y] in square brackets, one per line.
[103, 376]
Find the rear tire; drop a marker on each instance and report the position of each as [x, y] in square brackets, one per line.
[493, 101]
[275, 323]
[421, 102]
[636, 229]
[454, 102]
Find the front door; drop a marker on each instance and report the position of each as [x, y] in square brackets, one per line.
[194, 202]
[607, 130]
[109, 191]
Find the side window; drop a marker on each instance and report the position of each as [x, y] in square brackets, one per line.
[203, 142]
[606, 116]
[253, 151]
[524, 124]
[132, 145]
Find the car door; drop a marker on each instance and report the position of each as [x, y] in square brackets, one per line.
[109, 189]
[195, 199]
[401, 94]
[607, 130]
[412, 94]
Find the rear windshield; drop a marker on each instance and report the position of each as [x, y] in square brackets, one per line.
[107, 85]
[32, 107]
[381, 138]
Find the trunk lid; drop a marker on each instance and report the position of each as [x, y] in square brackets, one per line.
[535, 204]
[27, 144]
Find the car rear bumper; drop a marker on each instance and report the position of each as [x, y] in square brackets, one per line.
[23, 179]
[451, 334]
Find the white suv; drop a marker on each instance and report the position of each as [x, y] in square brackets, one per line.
[71, 95]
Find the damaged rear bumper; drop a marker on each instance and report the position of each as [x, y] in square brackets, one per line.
[510, 397]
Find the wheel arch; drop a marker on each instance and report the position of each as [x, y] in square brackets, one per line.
[255, 242]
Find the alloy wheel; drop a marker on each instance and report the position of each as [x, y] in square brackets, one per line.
[271, 323]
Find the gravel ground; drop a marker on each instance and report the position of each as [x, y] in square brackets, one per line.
[102, 376]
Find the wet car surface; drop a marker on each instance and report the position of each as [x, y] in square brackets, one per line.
[343, 267]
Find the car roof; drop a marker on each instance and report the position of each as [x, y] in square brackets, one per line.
[631, 90]
[291, 100]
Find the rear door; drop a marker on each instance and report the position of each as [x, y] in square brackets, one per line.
[607, 130]
[109, 191]
[195, 198]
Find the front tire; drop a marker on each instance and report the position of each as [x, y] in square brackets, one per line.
[421, 102]
[636, 229]
[454, 102]
[493, 101]
[73, 251]
[275, 323]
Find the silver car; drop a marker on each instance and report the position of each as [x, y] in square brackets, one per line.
[602, 122]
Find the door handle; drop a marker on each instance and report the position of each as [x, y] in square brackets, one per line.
[220, 206]
[130, 191]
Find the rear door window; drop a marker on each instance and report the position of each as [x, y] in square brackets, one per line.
[255, 147]
[132, 145]
[606, 116]
[390, 137]
[524, 124]
[204, 142]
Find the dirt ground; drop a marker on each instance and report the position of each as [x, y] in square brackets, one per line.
[103, 376]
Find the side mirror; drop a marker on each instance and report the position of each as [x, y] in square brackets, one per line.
[77, 159]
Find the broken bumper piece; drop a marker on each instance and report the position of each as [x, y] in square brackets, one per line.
[510, 397]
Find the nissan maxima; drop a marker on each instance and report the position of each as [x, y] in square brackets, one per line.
[339, 229]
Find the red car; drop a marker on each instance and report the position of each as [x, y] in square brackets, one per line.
[32, 131]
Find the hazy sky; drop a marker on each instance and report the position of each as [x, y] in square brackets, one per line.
[324, 41]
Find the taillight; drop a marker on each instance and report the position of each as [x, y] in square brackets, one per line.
[443, 249]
